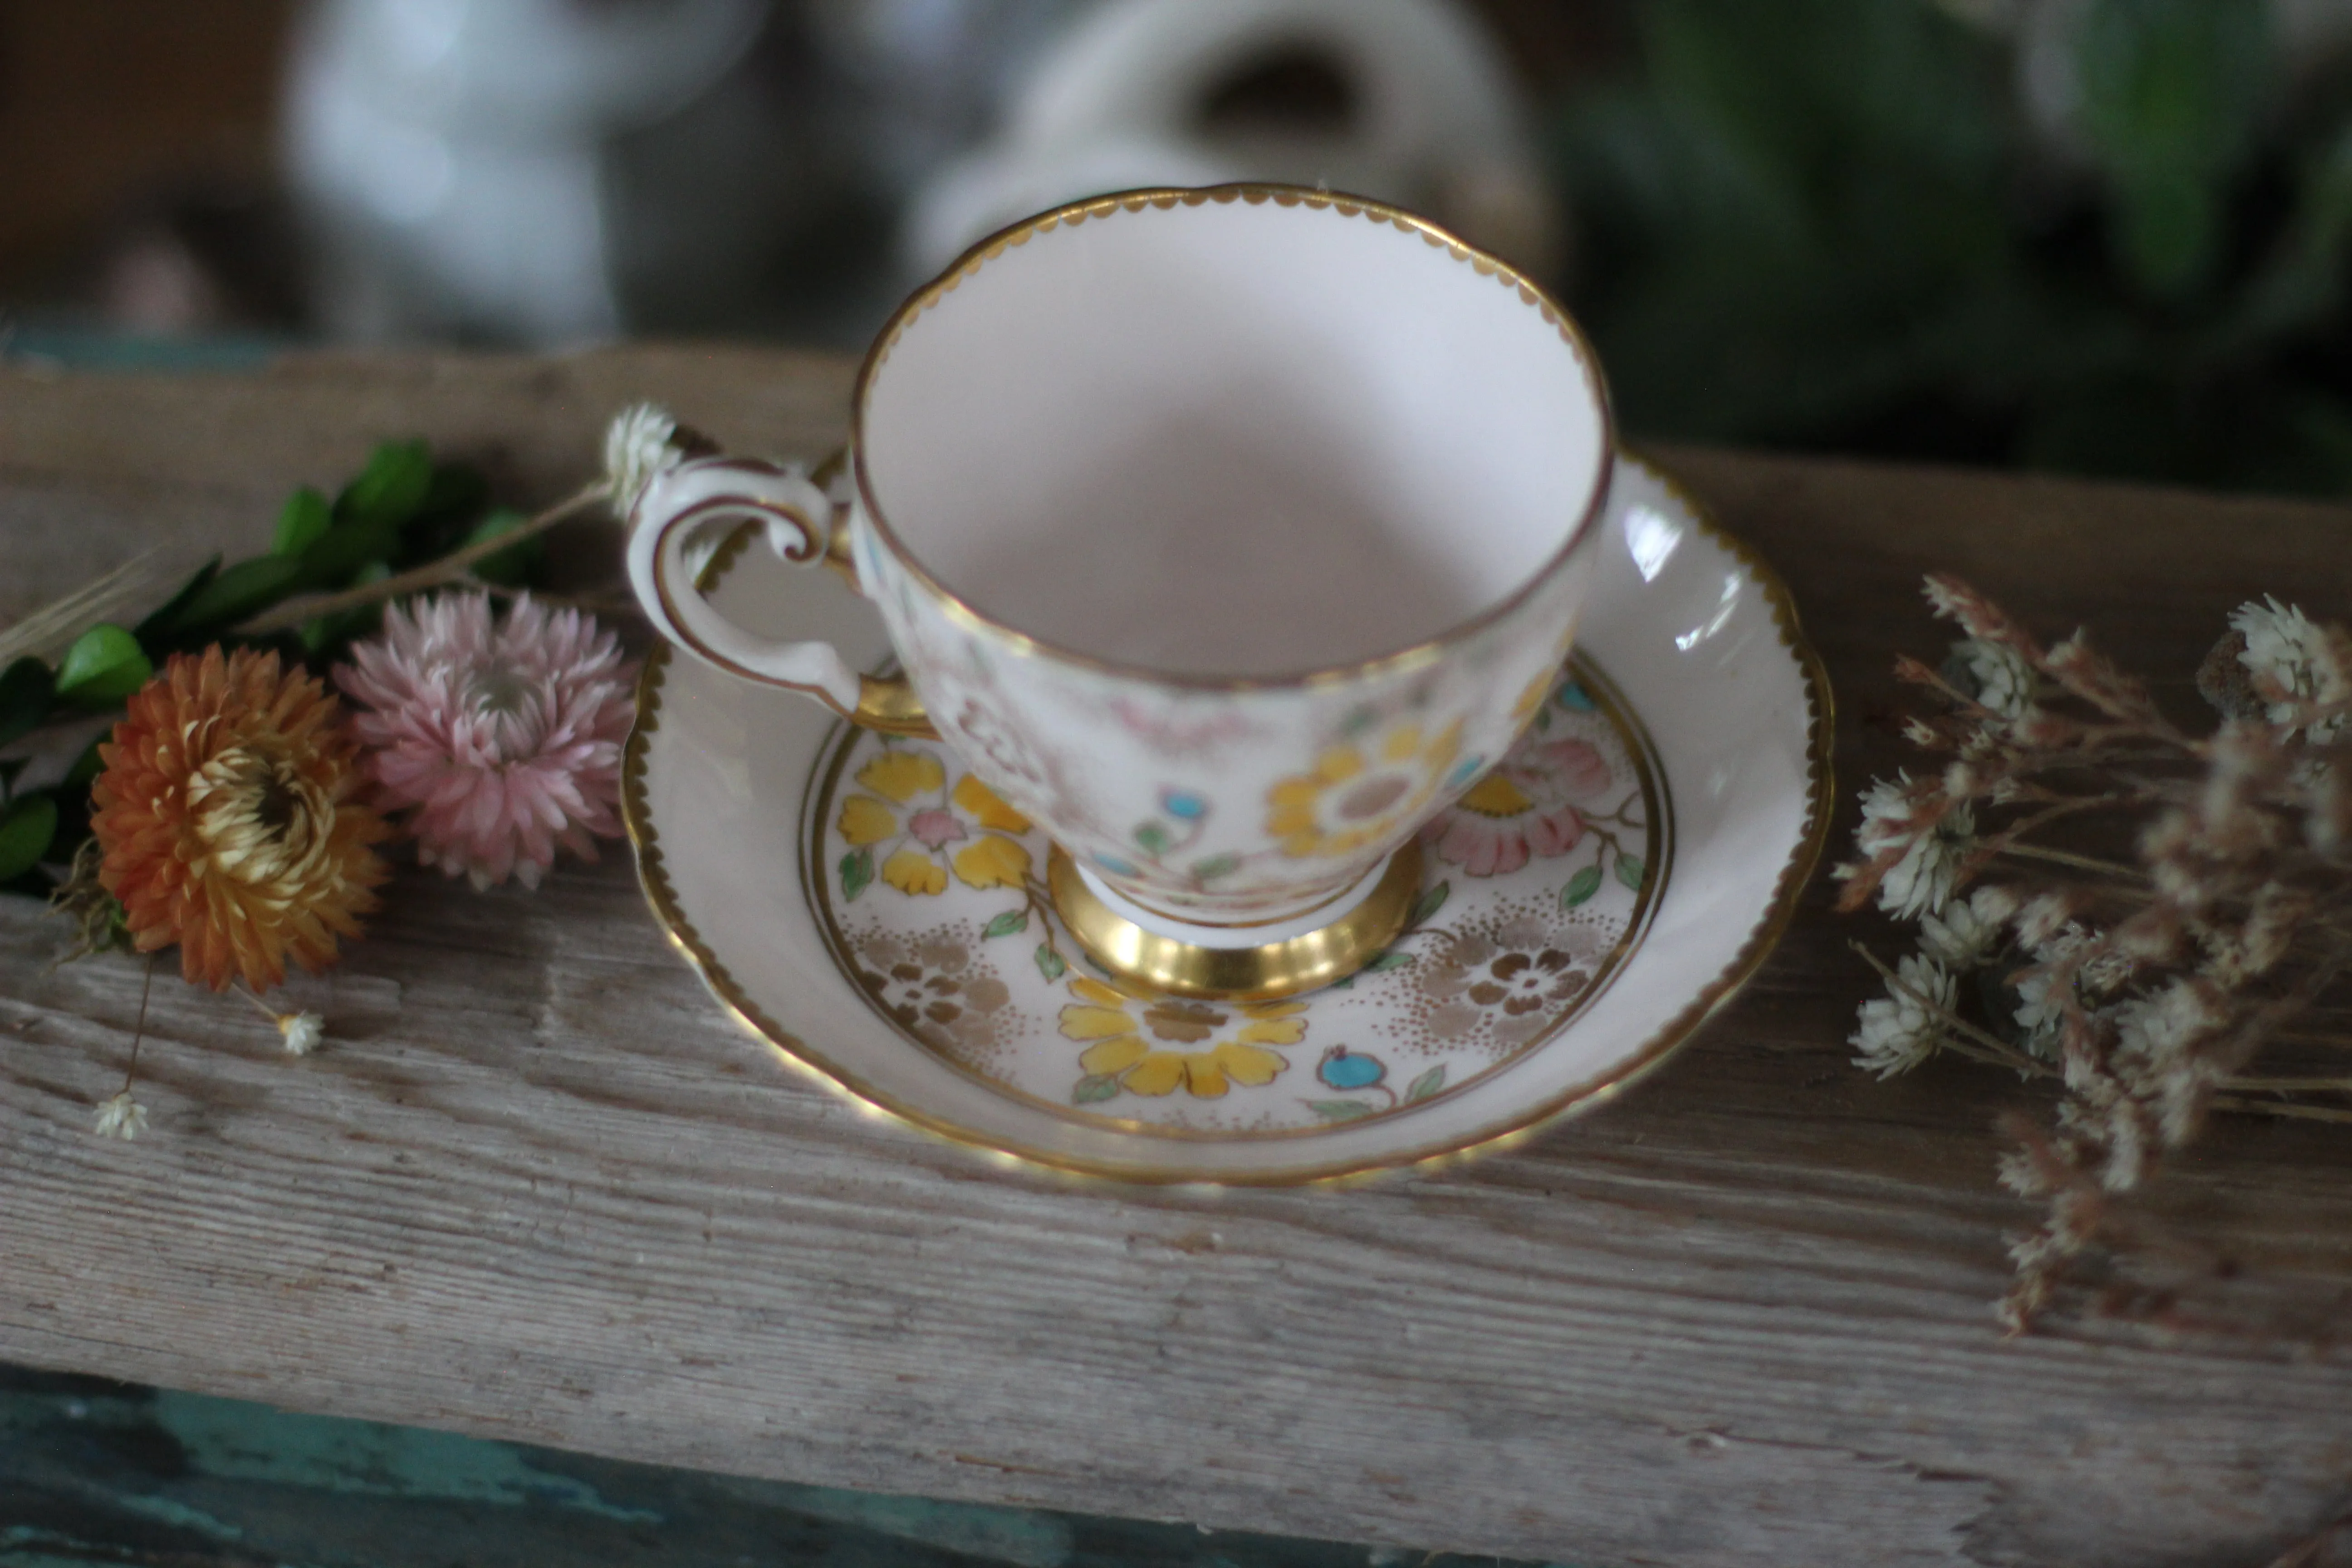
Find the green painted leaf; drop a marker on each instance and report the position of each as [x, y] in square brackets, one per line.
[1152, 838]
[1575, 699]
[1630, 871]
[1391, 959]
[1214, 867]
[301, 522]
[1093, 1090]
[25, 834]
[1427, 1084]
[238, 594]
[26, 691]
[1581, 887]
[1430, 902]
[105, 664]
[1010, 922]
[857, 873]
[1050, 963]
[1341, 1110]
[390, 488]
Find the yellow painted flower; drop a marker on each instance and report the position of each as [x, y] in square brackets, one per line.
[1153, 1046]
[903, 775]
[995, 861]
[913, 873]
[911, 807]
[983, 805]
[1360, 794]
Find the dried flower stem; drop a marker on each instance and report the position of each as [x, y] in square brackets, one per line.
[58, 623]
[2287, 1108]
[138, 1030]
[453, 568]
[2067, 858]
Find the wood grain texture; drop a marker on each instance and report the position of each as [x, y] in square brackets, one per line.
[538, 1188]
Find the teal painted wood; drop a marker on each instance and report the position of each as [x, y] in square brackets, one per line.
[94, 1471]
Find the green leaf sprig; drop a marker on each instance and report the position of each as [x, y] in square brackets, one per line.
[404, 514]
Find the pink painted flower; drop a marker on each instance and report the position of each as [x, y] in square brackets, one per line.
[936, 828]
[502, 741]
[1524, 809]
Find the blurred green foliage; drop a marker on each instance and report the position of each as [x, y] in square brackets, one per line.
[1830, 225]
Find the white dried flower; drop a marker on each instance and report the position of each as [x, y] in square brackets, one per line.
[640, 445]
[303, 1032]
[1921, 733]
[1965, 934]
[2042, 919]
[2287, 655]
[2159, 1027]
[1922, 880]
[120, 1117]
[2021, 1174]
[1898, 1031]
[2040, 1015]
[2004, 680]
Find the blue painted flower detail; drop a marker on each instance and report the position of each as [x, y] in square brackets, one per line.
[1575, 699]
[1115, 866]
[1469, 768]
[1183, 804]
[1343, 1068]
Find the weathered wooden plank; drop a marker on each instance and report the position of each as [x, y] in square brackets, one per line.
[538, 1188]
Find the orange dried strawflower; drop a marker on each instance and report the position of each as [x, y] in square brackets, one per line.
[229, 823]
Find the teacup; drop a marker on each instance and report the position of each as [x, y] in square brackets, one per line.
[1227, 534]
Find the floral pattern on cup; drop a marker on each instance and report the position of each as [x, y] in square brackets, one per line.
[1358, 792]
[1537, 884]
[1542, 802]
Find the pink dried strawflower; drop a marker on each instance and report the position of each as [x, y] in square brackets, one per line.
[501, 740]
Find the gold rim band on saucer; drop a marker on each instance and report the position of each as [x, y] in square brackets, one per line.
[1324, 956]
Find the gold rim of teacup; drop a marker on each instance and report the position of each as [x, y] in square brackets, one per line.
[1255, 193]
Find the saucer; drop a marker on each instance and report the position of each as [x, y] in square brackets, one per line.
[866, 906]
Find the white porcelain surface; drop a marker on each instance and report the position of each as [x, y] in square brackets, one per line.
[1272, 501]
[1692, 741]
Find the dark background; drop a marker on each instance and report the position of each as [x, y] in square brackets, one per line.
[1821, 224]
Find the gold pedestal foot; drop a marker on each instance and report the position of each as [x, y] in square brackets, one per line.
[1319, 957]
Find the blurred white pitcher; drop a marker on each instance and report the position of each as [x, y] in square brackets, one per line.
[1121, 101]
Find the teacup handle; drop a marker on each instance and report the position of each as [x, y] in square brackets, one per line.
[704, 498]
